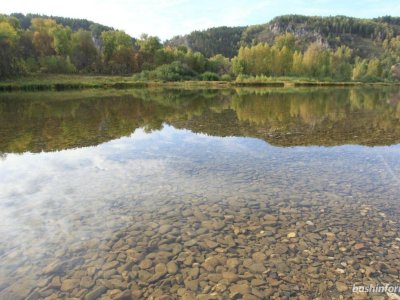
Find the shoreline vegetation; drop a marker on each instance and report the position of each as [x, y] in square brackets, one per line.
[300, 51]
[79, 82]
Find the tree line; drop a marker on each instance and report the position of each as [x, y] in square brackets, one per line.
[49, 47]
[284, 58]
[66, 46]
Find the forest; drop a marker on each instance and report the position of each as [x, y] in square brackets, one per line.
[321, 48]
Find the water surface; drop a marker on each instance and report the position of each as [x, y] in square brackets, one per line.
[244, 193]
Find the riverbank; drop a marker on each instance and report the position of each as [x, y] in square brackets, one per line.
[77, 82]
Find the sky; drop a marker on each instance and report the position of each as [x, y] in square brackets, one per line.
[167, 18]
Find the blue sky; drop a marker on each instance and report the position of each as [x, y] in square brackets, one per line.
[166, 18]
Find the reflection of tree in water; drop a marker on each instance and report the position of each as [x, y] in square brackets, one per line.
[317, 116]
[279, 116]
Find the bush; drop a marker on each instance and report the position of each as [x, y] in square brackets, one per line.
[56, 64]
[175, 71]
[32, 65]
[210, 76]
[226, 77]
[242, 77]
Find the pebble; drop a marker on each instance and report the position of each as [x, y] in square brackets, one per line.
[146, 264]
[230, 277]
[259, 257]
[109, 265]
[232, 263]
[341, 287]
[95, 293]
[359, 246]
[86, 282]
[68, 285]
[281, 249]
[242, 288]
[257, 268]
[165, 229]
[172, 268]
[252, 250]
[210, 263]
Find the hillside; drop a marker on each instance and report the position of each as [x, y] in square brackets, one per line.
[318, 48]
[73, 23]
[364, 36]
[221, 40]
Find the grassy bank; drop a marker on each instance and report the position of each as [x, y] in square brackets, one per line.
[77, 82]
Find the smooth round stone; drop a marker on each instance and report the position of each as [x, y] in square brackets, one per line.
[257, 268]
[341, 287]
[259, 256]
[211, 244]
[95, 293]
[281, 249]
[69, 284]
[258, 282]
[110, 265]
[172, 268]
[146, 264]
[210, 263]
[192, 285]
[136, 295]
[242, 288]
[220, 288]
[160, 268]
[86, 282]
[165, 229]
[214, 277]
[194, 272]
[359, 246]
[232, 263]
[230, 276]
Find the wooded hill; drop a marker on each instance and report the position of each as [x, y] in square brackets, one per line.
[364, 36]
[25, 22]
[318, 48]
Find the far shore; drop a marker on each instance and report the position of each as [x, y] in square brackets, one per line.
[77, 82]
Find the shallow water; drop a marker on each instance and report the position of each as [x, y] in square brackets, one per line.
[213, 194]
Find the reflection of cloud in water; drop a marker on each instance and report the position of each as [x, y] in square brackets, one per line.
[63, 197]
[45, 193]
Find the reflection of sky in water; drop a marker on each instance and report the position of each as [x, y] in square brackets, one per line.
[70, 194]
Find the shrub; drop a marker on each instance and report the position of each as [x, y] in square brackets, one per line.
[56, 64]
[226, 77]
[210, 76]
[175, 71]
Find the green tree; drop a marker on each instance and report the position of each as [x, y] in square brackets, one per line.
[61, 40]
[196, 61]
[286, 40]
[341, 68]
[297, 67]
[10, 61]
[219, 64]
[114, 41]
[42, 38]
[316, 61]
[286, 60]
[84, 53]
[373, 69]
[149, 44]
[360, 69]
